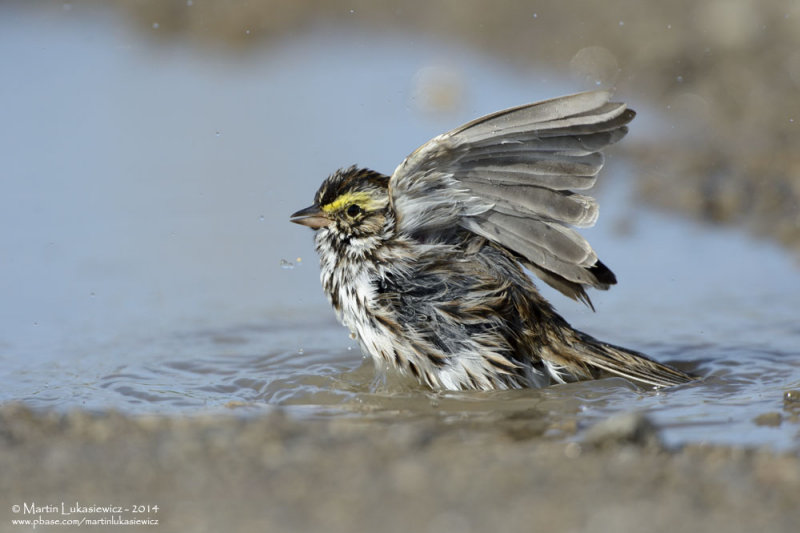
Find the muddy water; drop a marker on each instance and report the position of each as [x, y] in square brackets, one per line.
[148, 264]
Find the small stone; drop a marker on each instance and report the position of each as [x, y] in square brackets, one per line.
[626, 428]
[572, 450]
[772, 419]
[792, 396]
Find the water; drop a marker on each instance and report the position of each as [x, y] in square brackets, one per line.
[148, 264]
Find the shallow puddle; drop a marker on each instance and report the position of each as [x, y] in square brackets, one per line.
[149, 265]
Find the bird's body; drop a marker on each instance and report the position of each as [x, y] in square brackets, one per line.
[426, 267]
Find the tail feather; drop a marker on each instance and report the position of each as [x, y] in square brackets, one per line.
[604, 358]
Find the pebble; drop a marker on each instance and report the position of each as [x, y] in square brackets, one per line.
[772, 419]
[626, 428]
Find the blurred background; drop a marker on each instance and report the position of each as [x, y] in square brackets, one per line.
[731, 66]
[152, 151]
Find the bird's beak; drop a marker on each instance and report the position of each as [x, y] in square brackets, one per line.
[311, 216]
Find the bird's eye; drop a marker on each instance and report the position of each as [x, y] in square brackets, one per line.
[354, 210]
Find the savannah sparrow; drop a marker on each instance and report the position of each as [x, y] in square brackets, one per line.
[426, 266]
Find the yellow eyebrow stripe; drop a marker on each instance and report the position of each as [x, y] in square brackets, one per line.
[363, 199]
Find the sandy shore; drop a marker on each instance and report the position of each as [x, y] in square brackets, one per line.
[274, 473]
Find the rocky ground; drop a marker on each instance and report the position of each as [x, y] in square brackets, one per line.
[273, 473]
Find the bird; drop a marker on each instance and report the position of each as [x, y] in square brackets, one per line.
[430, 267]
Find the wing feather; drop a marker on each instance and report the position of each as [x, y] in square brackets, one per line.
[520, 122]
[575, 145]
[539, 256]
[510, 177]
[538, 202]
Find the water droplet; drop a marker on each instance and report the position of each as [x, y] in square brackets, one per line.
[247, 32]
[92, 294]
[286, 265]
[669, 26]
[300, 351]
[535, 15]
[352, 11]
[155, 25]
[621, 22]
[679, 79]
[189, 3]
[217, 133]
[261, 218]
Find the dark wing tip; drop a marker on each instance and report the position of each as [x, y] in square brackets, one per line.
[603, 274]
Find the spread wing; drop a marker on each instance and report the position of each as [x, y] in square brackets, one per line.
[510, 177]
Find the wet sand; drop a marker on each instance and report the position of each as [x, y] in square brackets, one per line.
[274, 473]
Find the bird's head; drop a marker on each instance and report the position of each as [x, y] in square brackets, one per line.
[350, 203]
